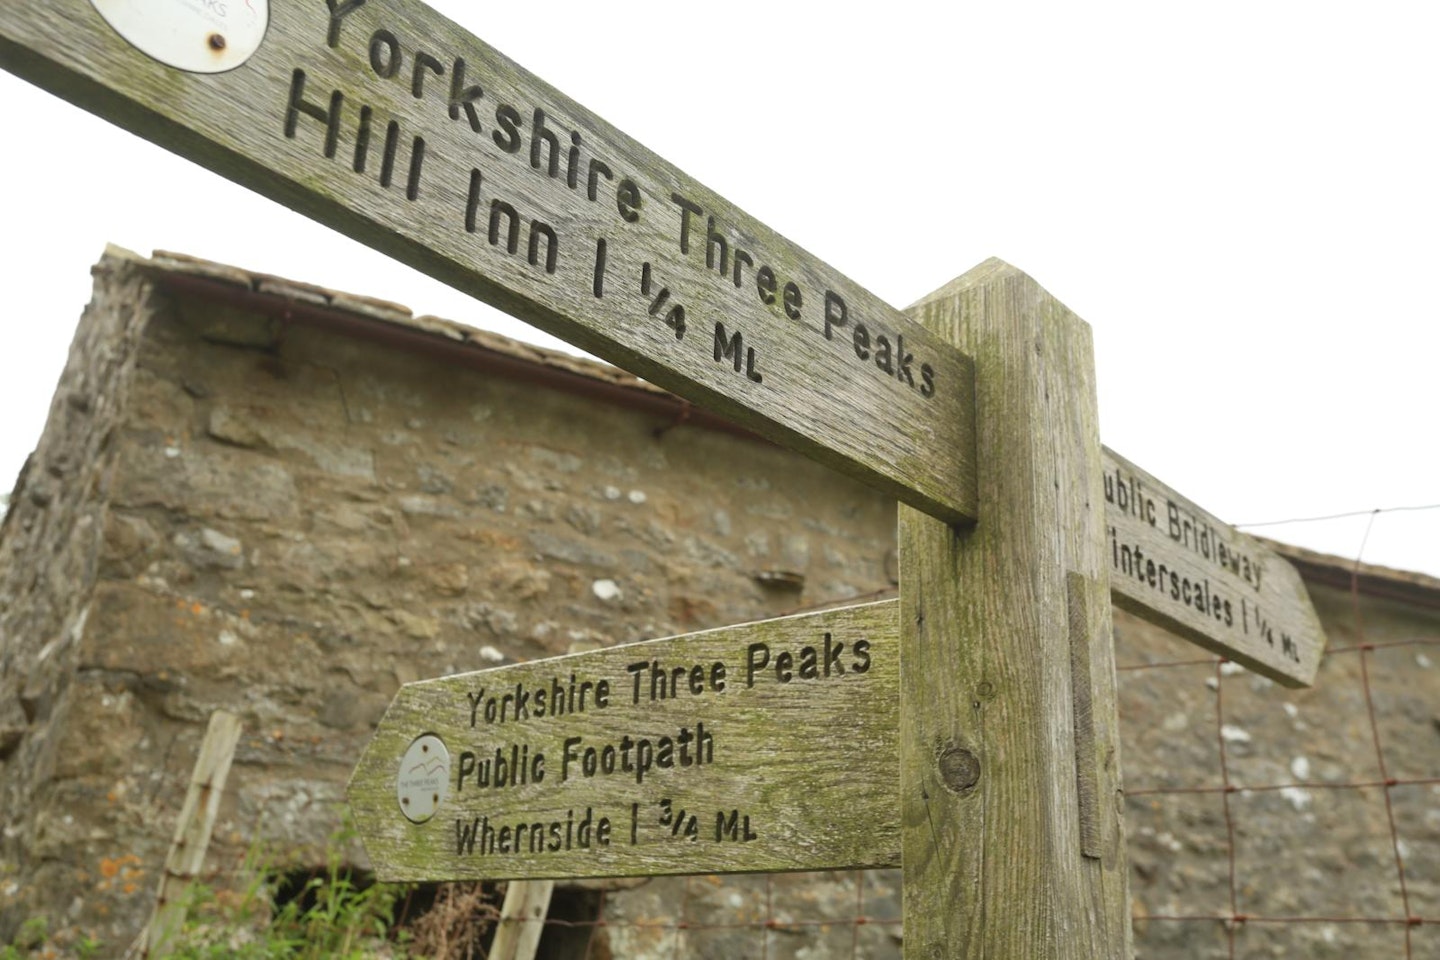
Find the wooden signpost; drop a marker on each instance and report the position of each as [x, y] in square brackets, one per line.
[967, 732]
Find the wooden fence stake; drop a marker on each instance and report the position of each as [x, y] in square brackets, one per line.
[1013, 844]
[192, 832]
[522, 919]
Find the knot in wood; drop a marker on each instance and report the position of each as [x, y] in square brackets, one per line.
[959, 768]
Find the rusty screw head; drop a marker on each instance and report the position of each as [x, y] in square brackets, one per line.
[217, 42]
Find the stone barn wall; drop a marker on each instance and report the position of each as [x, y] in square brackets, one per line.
[286, 502]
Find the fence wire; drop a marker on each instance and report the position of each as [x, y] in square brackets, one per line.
[1343, 880]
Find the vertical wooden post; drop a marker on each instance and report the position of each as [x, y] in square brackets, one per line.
[192, 831]
[1012, 837]
[522, 919]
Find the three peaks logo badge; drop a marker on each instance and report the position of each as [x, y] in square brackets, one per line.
[198, 36]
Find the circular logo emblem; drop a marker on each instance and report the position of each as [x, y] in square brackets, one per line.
[423, 778]
[201, 36]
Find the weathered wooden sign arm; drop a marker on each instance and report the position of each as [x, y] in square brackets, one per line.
[392, 124]
[1175, 564]
[767, 746]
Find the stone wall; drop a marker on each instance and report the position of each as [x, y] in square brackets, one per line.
[49, 556]
[265, 505]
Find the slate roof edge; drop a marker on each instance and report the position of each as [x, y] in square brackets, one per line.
[373, 318]
[1369, 578]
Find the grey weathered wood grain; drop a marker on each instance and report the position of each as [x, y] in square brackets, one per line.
[1177, 565]
[994, 861]
[812, 762]
[850, 403]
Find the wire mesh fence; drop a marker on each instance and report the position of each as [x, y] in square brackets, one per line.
[1290, 823]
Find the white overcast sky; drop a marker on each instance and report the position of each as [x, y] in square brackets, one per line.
[1241, 199]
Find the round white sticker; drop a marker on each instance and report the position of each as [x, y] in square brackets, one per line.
[201, 36]
[423, 778]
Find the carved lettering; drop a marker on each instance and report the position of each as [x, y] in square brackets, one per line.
[505, 219]
[332, 116]
[532, 837]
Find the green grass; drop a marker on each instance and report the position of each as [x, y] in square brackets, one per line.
[331, 916]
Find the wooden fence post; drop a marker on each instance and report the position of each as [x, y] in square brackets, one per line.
[192, 832]
[522, 919]
[1012, 835]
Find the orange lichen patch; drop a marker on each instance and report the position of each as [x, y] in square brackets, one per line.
[110, 867]
[277, 734]
[130, 888]
[197, 608]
